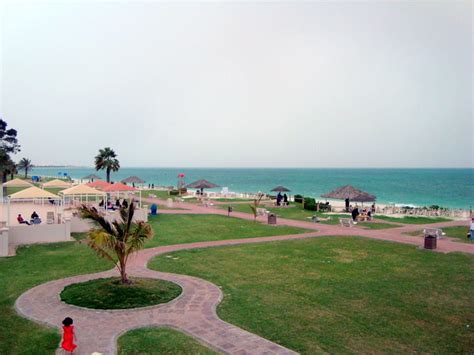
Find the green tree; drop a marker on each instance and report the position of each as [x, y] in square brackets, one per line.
[107, 159]
[25, 164]
[116, 240]
[8, 145]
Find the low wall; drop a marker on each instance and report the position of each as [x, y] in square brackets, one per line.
[41, 233]
[3, 242]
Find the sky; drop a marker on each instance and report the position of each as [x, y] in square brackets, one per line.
[240, 84]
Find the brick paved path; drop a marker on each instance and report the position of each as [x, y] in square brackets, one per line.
[194, 311]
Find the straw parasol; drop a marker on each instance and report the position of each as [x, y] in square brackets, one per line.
[133, 180]
[91, 177]
[201, 184]
[280, 189]
[351, 193]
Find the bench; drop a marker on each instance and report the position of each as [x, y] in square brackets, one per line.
[438, 233]
[346, 222]
[262, 212]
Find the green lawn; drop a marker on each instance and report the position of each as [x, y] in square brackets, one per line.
[161, 194]
[110, 293]
[377, 225]
[176, 229]
[341, 295]
[412, 219]
[294, 211]
[160, 341]
[458, 232]
[32, 266]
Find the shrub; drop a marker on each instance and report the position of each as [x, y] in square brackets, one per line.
[298, 198]
[174, 192]
[309, 204]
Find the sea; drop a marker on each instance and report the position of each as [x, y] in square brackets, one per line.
[451, 188]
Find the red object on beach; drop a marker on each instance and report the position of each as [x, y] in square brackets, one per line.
[68, 339]
[181, 175]
[98, 184]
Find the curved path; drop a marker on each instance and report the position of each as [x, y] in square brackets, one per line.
[194, 311]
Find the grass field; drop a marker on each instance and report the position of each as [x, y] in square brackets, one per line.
[458, 233]
[341, 295]
[413, 219]
[160, 341]
[109, 293]
[176, 229]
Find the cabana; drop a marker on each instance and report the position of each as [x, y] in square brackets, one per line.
[98, 184]
[91, 177]
[56, 183]
[350, 193]
[33, 194]
[81, 191]
[201, 185]
[119, 188]
[14, 183]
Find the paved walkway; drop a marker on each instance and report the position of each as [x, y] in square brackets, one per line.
[194, 311]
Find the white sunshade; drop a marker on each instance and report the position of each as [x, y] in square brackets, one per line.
[17, 183]
[81, 190]
[31, 193]
[56, 183]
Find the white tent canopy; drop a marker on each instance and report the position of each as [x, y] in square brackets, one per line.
[17, 183]
[33, 193]
[81, 190]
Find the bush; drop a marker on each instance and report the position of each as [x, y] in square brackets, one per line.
[298, 198]
[309, 204]
[174, 192]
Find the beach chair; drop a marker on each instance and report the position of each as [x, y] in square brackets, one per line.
[346, 222]
[50, 217]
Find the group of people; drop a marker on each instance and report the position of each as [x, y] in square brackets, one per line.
[35, 219]
[282, 200]
[366, 212]
[118, 205]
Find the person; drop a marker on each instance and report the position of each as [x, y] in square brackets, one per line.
[117, 203]
[68, 335]
[285, 199]
[355, 213]
[34, 215]
[21, 220]
[101, 203]
[471, 229]
[124, 203]
[373, 208]
[279, 197]
[347, 204]
[110, 206]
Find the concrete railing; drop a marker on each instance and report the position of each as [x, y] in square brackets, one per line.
[41, 233]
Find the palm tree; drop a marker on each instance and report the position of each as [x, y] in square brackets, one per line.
[255, 205]
[25, 164]
[118, 239]
[107, 159]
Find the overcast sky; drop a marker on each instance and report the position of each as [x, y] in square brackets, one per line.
[283, 84]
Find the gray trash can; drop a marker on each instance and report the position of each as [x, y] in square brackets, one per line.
[272, 218]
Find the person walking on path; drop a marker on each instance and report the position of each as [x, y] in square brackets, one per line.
[68, 336]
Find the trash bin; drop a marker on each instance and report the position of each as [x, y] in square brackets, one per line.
[430, 241]
[272, 218]
[154, 209]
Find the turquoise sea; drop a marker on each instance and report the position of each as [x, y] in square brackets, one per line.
[452, 188]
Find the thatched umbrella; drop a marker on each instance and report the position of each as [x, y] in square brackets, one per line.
[133, 180]
[201, 185]
[281, 189]
[350, 193]
[91, 177]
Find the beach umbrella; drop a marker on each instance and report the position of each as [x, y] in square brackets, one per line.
[281, 189]
[91, 177]
[351, 193]
[133, 180]
[201, 184]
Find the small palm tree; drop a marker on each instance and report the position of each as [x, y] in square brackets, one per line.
[25, 164]
[255, 205]
[116, 240]
[107, 159]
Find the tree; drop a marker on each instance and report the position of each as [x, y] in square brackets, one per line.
[255, 205]
[107, 159]
[8, 145]
[118, 239]
[25, 164]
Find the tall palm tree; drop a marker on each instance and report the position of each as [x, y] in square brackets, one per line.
[107, 159]
[25, 164]
[118, 239]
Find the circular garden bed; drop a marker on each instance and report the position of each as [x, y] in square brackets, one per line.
[110, 293]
